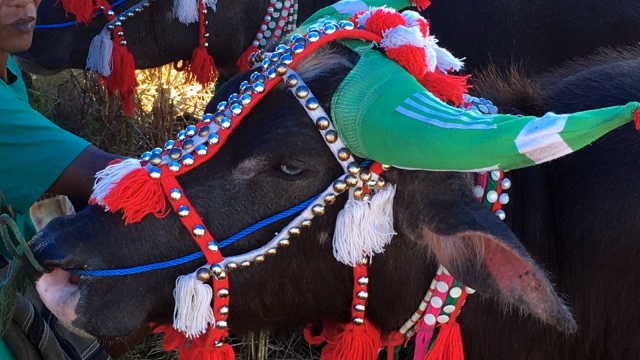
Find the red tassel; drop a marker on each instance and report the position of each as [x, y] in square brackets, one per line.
[83, 10]
[448, 343]
[445, 87]
[636, 119]
[421, 4]
[137, 195]
[243, 61]
[356, 342]
[330, 332]
[123, 76]
[382, 20]
[411, 58]
[202, 348]
[173, 339]
[390, 341]
[201, 67]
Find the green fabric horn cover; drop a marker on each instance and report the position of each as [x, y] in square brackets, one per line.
[382, 113]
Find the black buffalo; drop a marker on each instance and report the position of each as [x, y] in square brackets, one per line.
[574, 216]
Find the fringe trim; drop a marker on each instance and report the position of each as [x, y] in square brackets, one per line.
[192, 313]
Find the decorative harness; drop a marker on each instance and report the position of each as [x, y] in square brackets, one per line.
[109, 57]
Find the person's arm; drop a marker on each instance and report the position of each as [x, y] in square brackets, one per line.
[76, 181]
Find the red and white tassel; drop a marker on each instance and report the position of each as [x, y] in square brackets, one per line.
[192, 313]
[100, 50]
[83, 10]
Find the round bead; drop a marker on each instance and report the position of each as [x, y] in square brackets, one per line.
[443, 319]
[281, 68]
[306, 223]
[492, 196]
[359, 308]
[122, 17]
[339, 186]
[286, 59]
[364, 175]
[364, 261]
[302, 92]
[495, 175]
[232, 266]
[291, 80]
[245, 264]
[169, 145]
[442, 286]
[362, 281]
[204, 131]
[187, 159]
[318, 210]
[348, 25]
[353, 168]
[436, 302]
[312, 103]
[322, 123]
[146, 156]
[330, 199]
[187, 144]
[258, 87]
[213, 138]
[449, 309]
[271, 73]
[284, 243]
[455, 292]
[313, 36]
[174, 166]
[429, 319]
[236, 109]
[371, 183]
[201, 150]
[203, 275]
[275, 56]
[478, 191]
[351, 180]
[344, 154]
[222, 106]
[358, 321]
[191, 130]
[259, 259]
[225, 123]
[295, 231]
[198, 230]
[331, 136]
[297, 48]
[110, 13]
[212, 246]
[358, 193]
[504, 198]
[175, 194]
[130, 14]
[207, 118]
[221, 324]
[183, 211]
[329, 29]
[175, 154]
[381, 182]
[505, 184]
[182, 135]
[272, 251]
[154, 172]
[156, 159]
[501, 214]
[362, 295]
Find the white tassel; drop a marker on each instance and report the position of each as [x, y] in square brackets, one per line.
[99, 59]
[211, 3]
[364, 228]
[432, 56]
[446, 61]
[108, 177]
[193, 313]
[186, 11]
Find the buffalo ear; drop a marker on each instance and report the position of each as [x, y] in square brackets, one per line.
[481, 251]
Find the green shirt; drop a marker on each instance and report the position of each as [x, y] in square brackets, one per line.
[34, 151]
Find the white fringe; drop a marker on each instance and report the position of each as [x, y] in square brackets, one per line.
[364, 228]
[186, 11]
[107, 178]
[211, 3]
[99, 58]
[402, 35]
[446, 61]
[193, 313]
[432, 56]
[412, 18]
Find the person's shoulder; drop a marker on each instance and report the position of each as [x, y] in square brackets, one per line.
[12, 65]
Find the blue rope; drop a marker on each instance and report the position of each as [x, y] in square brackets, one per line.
[71, 23]
[197, 255]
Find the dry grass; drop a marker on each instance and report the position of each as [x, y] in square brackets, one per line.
[77, 102]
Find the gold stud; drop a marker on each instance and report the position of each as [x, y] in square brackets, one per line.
[330, 199]
[365, 175]
[292, 80]
[358, 193]
[353, 168]
[381, 182]
[318, 210]
[344, 154]
[339, 186]
[302, 92]
[331, 136]
[364, 261]
[281, 69]
[259, 259]
[272, 252]
[284, 243]
[294, 231]
[232, 266]
[245, 264]
[322, 123]
[306, 223]
[351, 180]
[312, 103]
[203, 275]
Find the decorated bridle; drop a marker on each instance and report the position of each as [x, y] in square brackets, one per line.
[365, 225]
[109, 56]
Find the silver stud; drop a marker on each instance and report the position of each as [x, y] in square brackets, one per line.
[366, 197]
[221, 324]
[501, 214]
[339, 186]
[216, 269]
[347, 25]
[232, 266]
[330, 199]
[123, 43]
[205, 11]
[492, 196]
[110, 13]
[187, 159]
[312, 103]
[176, 194]
[201, 150]
[218, 344]
[313, 36]
[329, 29]
[306, 223]
[353, 168]
[381, 183]
[358, 321]
[183, 211]
[146, 156]
[495, 175]
[122, 18]
[322, 123]
[294, 231]
[478, 191]
[359, 308]
[271, 73]
[191, 130]
[362, 295]
[169, 145]
[187, 144]
[222, 106]
[175, 154]
[212, 246]
[259, 259]
[362, 281]
[174, 166]
[225, 123]
[365, 175]
[351, 180]
[120, 34]
[286, 59]
[182, 135]
[236, 109]
[272, 251]
[297, 48]
[284, 243]
[204, 131]
[318, 210]
[213, 139]
[110, 27]
[302, 92]
[155, 172]
[224, 311]
[505, 184]
[371, 183]
[258, 87]
[223, 293]
[245, 99]
[117, 24]
[206, 35]
[198, 230]
[331, 136]
[358, 193]
[504, 198]
[137, 10]
[203, 275]
[245, 264]
[291, 80]
[130, 14]
[207, 118]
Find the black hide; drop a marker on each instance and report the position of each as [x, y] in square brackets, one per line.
[534, 34]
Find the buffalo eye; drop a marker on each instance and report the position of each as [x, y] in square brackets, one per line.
[290, 170]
